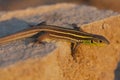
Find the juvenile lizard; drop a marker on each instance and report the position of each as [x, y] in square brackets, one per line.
[75, 36]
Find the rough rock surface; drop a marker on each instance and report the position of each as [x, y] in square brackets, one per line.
[52, 61]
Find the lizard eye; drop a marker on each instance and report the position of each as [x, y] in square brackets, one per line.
[100, 41]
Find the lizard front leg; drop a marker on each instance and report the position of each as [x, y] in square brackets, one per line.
[74, 47]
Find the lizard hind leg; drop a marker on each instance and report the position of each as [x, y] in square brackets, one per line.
[44, 38]
[40, 38]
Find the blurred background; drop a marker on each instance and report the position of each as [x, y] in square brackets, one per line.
[8, 5]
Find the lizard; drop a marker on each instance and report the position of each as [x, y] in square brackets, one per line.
[42, 30]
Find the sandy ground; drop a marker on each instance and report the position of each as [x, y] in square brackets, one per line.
[20, 60]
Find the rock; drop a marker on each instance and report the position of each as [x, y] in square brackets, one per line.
[53, 61]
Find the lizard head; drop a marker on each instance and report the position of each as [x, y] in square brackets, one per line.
[97, 41]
